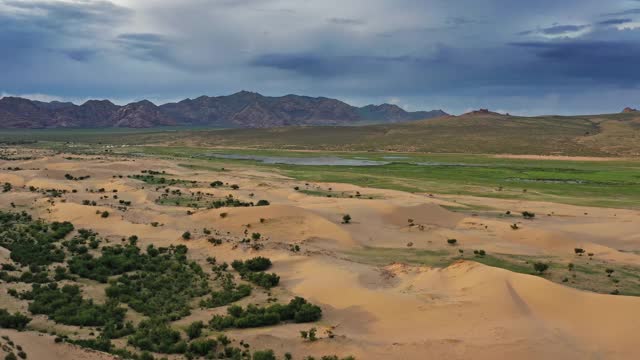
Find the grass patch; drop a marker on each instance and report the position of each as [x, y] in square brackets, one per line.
[587, 274]
[339, 194]
[589, 183]
[385, 256]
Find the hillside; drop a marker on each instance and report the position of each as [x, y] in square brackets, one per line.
[241, 110]
[588, 135]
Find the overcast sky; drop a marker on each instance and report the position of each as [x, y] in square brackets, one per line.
[519, 56]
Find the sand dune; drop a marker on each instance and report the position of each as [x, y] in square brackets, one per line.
[463, 311]
[474, 306]
[430, 214]
[281, 223]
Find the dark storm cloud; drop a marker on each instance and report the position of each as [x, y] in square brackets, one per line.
[65, 16]
[608, 62]
[563, 29]
[624, 12]
[38, 28]
[318, 65]
[614, 22]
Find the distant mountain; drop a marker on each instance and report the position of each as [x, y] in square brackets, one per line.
[483, 112]
[394, 113]
[629, 110]
[242, 109]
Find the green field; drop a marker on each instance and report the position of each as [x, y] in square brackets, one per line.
[444, 146]
[593, 183]
[612, 183]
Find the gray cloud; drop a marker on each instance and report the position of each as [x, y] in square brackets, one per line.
[614, 22]
[435, 54]
[345, 21]
[624, 12]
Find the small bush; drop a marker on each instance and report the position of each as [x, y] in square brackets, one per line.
[528, 215]
[609, 272]
[264, 355]
[194, 330]
[540, 267]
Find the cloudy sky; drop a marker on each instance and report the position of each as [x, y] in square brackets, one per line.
[520, 56]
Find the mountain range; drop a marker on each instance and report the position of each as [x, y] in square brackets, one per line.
[240, 110]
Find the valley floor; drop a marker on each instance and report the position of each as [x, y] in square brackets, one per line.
[390, 282]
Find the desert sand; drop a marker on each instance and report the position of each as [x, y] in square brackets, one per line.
[377, 310]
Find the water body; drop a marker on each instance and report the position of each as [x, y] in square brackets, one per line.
[430, 163]
[395, 157]
[331, 160]
[309, 161]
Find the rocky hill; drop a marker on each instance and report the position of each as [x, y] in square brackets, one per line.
[240, 110]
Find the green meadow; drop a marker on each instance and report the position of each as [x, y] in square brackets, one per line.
[594, 183]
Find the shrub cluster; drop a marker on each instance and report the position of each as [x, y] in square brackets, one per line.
[298, 310]
[252, 271]
[32, 242]
[114, 260]
[16, 321]
[66, 306]
[164, 284]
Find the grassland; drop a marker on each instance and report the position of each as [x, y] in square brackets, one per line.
[433, 156]
[588, 135]
[614, 183]
[338, 194]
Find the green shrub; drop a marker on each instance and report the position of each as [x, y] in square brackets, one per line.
[157, 336]
[194, 330]
[540, 267]
[66, 306]
[298, 310]
[264, 355]
[16, 321]
[203, 347]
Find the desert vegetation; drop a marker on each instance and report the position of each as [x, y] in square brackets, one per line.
[194, 267]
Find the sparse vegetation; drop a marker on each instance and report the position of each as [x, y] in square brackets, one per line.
[528, 215]
[540, 267]
[298, 310]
